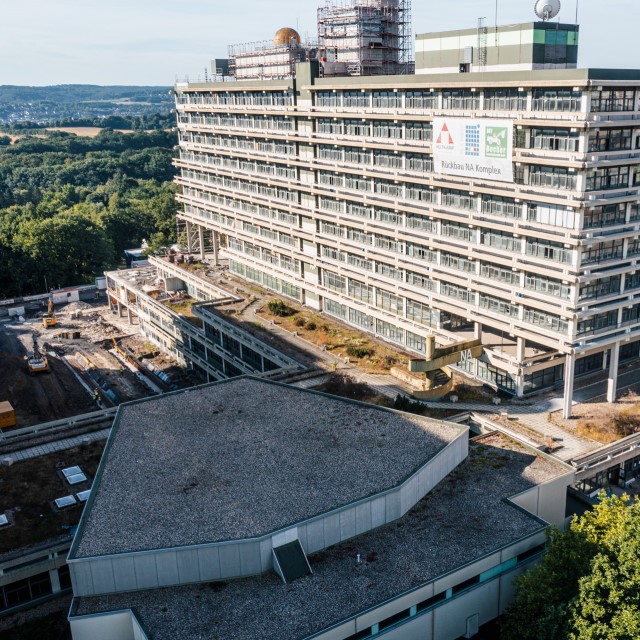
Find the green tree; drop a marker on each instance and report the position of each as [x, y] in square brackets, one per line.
[68, 248]
[588, 585]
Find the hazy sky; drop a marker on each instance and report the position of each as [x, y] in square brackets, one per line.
[155, 41]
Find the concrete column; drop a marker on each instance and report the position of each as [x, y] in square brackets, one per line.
[119, 309]
[215, 240]
[477, 330]
[612, 383]
[201, 241]
[520, 350]
[129, 315]
[55, 581]
[569, 373]
[605, 359]
[189, 245]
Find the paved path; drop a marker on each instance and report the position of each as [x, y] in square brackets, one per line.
[58, 445]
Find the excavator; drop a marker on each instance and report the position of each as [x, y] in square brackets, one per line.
[50, 319]
[37, 361]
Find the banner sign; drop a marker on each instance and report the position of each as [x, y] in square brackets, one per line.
[473, 148]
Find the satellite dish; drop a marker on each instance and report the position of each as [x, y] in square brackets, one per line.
[547, 9]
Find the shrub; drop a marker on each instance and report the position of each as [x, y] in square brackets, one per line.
[360, 352]
[279, 308]
[311, 325]
[299, 322]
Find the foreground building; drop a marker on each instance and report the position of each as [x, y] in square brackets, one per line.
[291, 514]
[499, 206]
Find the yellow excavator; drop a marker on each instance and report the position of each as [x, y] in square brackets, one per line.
[50, 319]
[37, 361]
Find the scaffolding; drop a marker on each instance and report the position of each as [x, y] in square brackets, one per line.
[265, 60]
[365, 37]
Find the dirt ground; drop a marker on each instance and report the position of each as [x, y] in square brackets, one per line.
[86, 132]
[58, 394]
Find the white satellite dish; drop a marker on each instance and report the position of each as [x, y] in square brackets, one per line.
[547, 9]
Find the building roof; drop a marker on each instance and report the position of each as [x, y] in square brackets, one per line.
[243, 458]
[465, 518]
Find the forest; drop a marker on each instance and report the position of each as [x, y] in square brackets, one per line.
[70, 205]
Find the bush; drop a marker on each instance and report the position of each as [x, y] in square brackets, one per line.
[311, 325]
[299, 322]
[360, 352]
[403, 403]
[279, 308]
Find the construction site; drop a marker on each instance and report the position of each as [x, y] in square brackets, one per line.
[355, 38]
[77, 359]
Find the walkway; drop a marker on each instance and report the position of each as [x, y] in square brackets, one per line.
[58, 445]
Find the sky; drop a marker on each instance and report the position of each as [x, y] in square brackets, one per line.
[156, 42]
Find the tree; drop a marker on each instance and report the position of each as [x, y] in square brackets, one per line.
[588, 585]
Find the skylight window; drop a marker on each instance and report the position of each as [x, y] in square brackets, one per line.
[65, 501]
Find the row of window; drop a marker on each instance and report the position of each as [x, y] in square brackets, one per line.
[237, 98]
[547, 99]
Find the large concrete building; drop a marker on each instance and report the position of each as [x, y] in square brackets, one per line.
[503, 206]
[294, 515]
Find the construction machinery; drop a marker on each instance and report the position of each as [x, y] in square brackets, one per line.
[7, 415]
[50, 319]
[36, 360]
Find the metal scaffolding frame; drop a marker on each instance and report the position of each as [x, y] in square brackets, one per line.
[265, 60]
[365, 37]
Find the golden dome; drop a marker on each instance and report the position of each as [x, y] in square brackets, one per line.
[286, 37]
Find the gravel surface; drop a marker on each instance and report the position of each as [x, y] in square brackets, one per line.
[465, 517]
[242, 458]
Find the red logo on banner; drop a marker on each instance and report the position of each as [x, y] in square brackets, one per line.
[444, 137]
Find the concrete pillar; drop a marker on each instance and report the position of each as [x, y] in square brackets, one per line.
[477, 330]
[55, 581]
[129, 315]
[605, 359]
[569, 373]
[215, 239]
[189, 245]
[520, 350]
[119, 309]
[612, 382]
[201, 242]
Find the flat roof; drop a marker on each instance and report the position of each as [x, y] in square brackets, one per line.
[463, 519]
[242, 458]
[520, 26]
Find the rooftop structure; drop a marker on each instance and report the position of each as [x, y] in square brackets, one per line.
[268, 60]
[437, 556]
[530, 46]
[365, 37]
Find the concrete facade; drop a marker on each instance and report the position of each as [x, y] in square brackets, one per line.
[325, 192]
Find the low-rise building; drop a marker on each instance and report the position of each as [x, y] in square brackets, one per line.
[297, 515]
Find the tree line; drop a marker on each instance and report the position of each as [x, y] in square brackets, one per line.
[70, 205]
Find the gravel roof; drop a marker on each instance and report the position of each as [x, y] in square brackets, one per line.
[464, 518]
[242, 458]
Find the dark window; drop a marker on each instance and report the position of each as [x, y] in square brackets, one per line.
[430, 602]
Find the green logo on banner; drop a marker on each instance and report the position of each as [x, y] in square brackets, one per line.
[496, 141]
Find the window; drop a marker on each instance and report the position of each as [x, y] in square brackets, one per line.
[548, 321]
[501, 240]
[361, 319]
[422, 131]
[419, 162]
[613, 100]
[416, 221]
[458, 199]
[358, 99]
[387, 129]
[421, 252]
[420, 313]
[389, 331]
[552, 214]
[554, 139]
[553, 251]
[610, 140]
[421, 100]
[360, 291]
[387, 159]
[389, 216]
[335, 309]
[598, 322]
[547, 286]
[498, 274]
[389, 302]
[334, 281]
[602, 251]
[357, 128]
[556, 100]
[608, 178]
[327, 99]
[497, 305]
[505, 100]
[460, 99]
[600, 288]
[387, 99]
[498, 206]
[554, 177]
